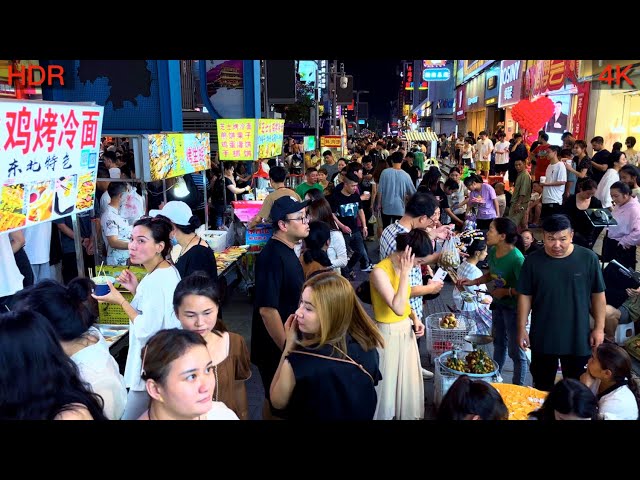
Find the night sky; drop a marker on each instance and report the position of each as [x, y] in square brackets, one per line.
[380, 78]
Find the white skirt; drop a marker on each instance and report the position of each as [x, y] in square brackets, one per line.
[401, 391]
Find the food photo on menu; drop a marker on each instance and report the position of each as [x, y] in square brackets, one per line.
[12, 207]
[86, 191]
[66, 194]
[40, 198]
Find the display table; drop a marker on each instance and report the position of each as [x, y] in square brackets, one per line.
[520, 400]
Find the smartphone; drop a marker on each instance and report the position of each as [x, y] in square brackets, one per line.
[440, 274]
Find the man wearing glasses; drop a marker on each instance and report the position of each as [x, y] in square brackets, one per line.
[278, 286]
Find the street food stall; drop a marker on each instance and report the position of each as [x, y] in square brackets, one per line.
[249, 139]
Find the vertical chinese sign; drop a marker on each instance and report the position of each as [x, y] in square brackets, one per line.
[48, 160]
[177, 154]
[270, 137]
[236, 139]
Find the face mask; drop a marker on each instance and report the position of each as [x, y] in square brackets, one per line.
[174, 241]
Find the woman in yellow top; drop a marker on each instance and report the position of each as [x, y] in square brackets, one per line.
[401, 392]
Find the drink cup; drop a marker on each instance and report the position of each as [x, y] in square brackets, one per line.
[101, 284]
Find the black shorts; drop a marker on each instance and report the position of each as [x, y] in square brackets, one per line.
[501, 167]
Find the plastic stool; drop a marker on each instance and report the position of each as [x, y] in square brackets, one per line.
[624, 332]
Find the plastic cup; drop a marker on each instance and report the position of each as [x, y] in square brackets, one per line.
[101, 284]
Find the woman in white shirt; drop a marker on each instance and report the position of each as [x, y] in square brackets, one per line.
[608, 376]
[180, 378]
[151, 309]
[73, 320]
[615, 162]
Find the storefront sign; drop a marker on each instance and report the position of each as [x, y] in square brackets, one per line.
[475, 93]
[259, 235]
[469, 68]
[460, 102]
[236, 139]
[491, 85]
[579, 120]
[408, 76]
[436, 74]
[48, 160]
[510, 82]
[546, 76]
[176, 154]
[331, 141]
[270, 137]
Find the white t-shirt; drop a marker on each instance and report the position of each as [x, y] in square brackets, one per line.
[603, 192]
[485, 147]
[617, 405]
[457, 197]
[220, 411]
[38, 242]
[502, 158]
[10, 276]
[554, 173]
[154, 303]
[113, 224]
[100, 370]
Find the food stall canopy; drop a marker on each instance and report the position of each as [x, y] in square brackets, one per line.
[175, 154]
[48, 160]
[243, 139]
[421, 136]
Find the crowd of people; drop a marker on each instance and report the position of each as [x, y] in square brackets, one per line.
[319, 353]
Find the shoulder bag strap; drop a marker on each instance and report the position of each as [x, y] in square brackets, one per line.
[350, 360]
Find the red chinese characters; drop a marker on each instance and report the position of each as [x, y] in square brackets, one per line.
[89, 129]
[45, 129]
[18, 127]
[69, 128]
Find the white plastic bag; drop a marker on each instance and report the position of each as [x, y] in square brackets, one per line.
[450, 257]
[131, 210]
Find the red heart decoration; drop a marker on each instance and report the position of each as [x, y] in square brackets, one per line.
[533, 115]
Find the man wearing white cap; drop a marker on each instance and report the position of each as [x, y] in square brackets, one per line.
[195, 254]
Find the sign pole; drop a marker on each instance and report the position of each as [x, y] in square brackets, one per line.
[78, 244]
[206, 204]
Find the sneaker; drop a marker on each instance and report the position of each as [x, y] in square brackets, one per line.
[368, 268]
[426, 374]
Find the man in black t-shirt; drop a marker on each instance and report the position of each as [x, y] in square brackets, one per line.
[410, 168]
[599, 162]
[278, 286]
[347, 206]
[558, 284]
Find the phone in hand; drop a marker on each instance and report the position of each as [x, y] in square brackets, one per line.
[440, 274]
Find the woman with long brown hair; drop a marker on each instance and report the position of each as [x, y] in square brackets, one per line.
[320, 210]
[329, 366]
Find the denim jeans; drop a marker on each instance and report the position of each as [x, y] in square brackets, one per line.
[505, 334]
[356, 242]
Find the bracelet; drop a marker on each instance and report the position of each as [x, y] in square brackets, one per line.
[510, 294]
[123, 302]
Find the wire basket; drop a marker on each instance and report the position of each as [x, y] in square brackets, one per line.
[440, 340]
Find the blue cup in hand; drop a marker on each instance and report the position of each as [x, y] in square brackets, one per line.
[102, 288]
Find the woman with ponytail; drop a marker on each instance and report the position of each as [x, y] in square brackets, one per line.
[505, 261]
[314, 258]
[151, 308]
[195, 254]
[608, 376]
[73, 318]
